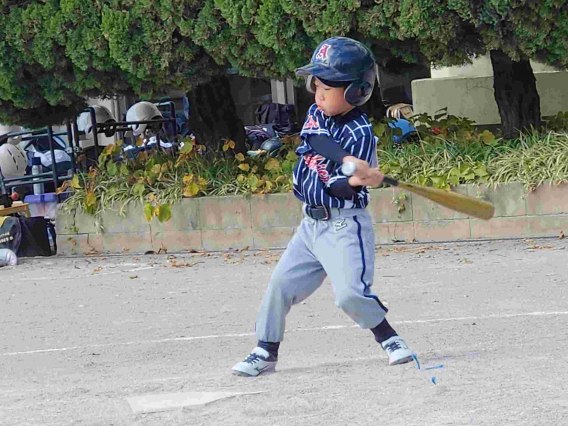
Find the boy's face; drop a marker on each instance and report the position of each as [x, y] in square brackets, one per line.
[331, 100]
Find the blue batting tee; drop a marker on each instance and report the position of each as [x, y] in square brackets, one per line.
[314, 174]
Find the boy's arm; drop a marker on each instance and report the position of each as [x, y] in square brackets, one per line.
[339, 186]
[326, 146]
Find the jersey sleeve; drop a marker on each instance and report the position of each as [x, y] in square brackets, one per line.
[363, 146]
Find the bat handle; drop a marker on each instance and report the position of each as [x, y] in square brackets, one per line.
[390, 181]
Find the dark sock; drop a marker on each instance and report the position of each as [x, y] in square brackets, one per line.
[383, 331]
[270, 347]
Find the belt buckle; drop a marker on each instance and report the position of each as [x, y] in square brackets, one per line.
[326, 211]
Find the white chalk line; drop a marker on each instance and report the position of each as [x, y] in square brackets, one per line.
[325, 328]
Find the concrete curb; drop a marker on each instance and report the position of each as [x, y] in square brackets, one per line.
[269, 221]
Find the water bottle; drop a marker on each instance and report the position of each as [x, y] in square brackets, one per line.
[37, 169]
[8, 257]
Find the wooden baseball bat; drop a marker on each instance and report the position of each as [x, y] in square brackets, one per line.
[452, 200]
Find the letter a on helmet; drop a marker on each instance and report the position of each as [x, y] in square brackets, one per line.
[341, 59]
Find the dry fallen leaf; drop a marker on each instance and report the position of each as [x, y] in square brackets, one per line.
[561, 235]
[181, 264]
[133, 276]
[97, 270]
[92, 252]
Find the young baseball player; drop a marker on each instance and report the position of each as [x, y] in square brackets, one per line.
[336, 236]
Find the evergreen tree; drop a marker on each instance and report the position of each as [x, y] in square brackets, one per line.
[55, 53]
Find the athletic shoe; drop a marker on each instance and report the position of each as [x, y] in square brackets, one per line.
[397, 350]
[259, 361]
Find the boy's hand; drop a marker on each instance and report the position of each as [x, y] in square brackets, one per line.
[361, 166]
[364, 174]
[374, 177]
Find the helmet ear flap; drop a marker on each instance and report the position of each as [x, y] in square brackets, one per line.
[310, 84]
[360, 91]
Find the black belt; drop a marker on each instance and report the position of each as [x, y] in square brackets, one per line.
[318, 213]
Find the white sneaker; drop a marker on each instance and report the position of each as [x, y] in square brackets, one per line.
[259, 361]
[397, 350]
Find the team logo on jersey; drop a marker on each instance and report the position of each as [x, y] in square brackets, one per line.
[339, 225]
[312, 123]
[322, 52]
[318, 165]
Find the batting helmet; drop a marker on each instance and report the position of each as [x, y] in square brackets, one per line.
[343, 60]
[143, 111]
[102, 115]
[13, 161]
[6, 129]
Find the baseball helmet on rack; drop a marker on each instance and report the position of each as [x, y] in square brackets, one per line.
[13, 161]
[102, 115]
[346, 62]
[5, 129]
[143, 111]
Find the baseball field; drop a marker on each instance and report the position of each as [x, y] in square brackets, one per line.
[150, 340]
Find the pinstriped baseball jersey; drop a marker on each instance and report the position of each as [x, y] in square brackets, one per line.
[314, 174]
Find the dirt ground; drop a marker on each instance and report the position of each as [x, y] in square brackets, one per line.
[487, 321]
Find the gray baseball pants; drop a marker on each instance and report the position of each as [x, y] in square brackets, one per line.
[344, 249]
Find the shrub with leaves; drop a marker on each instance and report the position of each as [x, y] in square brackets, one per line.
[159, 179]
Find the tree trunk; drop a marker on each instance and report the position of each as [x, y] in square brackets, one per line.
[213, 115]
[516, 95]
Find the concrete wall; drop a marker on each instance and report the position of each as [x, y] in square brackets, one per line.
[474, 98]
[480, 67]
[269, 221]
[467, 91]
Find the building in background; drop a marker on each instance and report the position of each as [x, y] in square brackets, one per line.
[467, 91]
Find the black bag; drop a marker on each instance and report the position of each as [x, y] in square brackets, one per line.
[28, 236]
[256, 135]
[10, 234]
[35, 239]
[280, 115]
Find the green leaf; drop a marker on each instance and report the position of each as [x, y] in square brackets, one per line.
[454, 180]
[187, 147]
[90, 199]
[138, 189]
[164, 212]
[253, 182]
[124, 170]
[379, 129]
[455, 172]
[75, 184]
[191, 190]
[148, 211]
[480, 171]
[150, 164]
[465, 169]
[422, 180]
[111, 168]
